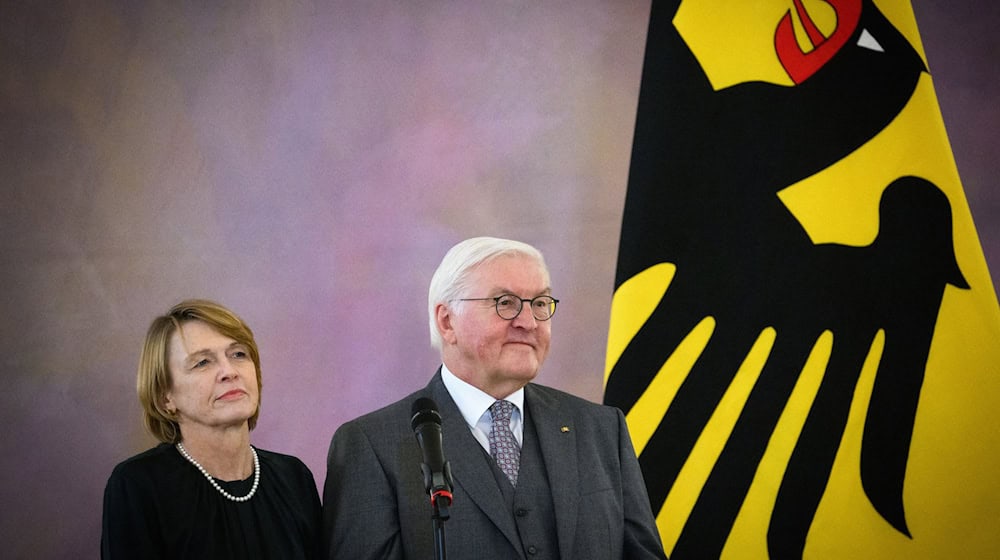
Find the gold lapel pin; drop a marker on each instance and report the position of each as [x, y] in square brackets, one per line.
[564, 429]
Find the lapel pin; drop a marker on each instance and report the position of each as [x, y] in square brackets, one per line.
[564, 429]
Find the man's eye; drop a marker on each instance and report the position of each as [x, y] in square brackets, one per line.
[506, 301]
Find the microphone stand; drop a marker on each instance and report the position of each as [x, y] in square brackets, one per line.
[439, 486]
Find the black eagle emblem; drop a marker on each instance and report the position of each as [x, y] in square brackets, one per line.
[702, 195]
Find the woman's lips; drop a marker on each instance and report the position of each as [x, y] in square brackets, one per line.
[235, 393]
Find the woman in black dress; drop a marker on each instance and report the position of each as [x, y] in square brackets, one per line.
[205, 492]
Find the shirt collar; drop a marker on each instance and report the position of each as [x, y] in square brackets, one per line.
[472, 402]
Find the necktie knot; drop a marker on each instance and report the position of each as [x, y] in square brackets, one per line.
[503, 446]
[501, 411]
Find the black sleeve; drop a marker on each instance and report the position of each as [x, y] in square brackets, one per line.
[313, 506]
[128, 526]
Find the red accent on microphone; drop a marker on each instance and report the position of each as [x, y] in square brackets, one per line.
[444, 493]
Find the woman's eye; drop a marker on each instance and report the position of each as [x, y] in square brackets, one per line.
[201, 363]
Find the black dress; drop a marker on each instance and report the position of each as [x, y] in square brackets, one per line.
[158, 505]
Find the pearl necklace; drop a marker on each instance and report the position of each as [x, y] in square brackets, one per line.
[256, 474]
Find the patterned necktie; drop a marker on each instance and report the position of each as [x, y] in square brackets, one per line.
[503, 446]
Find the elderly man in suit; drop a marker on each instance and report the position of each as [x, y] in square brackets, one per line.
[558, 479]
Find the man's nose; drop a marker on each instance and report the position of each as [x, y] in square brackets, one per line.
[524, 317]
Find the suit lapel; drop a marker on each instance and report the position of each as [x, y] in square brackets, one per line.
[469, 466]
[557, 441]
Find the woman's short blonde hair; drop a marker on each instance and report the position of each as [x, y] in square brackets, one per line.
[153, 379]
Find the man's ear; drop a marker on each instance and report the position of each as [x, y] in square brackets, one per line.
[443, 317]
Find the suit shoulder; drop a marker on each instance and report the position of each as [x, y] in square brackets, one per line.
[570, 401]
[396, 413]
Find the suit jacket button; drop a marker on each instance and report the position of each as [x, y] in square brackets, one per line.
[532, 550]
[521, 512]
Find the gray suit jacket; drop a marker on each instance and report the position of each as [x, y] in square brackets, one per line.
[375, 504]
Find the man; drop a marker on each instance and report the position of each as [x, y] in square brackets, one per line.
[566, 484]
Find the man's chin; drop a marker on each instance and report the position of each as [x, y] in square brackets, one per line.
[525, 371]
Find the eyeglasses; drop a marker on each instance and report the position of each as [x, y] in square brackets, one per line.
[509, 306]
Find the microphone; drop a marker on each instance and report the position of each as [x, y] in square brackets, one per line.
[426, 424]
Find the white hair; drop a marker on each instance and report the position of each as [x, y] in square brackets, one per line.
[450, 280]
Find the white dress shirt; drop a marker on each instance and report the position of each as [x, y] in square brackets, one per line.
[474, 405]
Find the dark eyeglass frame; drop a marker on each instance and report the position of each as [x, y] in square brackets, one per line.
[520, 305]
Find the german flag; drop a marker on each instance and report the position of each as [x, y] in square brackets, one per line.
[804, 333]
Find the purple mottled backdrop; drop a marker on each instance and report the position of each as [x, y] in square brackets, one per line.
[307, 164]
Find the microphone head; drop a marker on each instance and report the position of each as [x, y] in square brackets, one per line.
[424, 410]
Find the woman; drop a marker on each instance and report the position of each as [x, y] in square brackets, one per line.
[205, 492]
